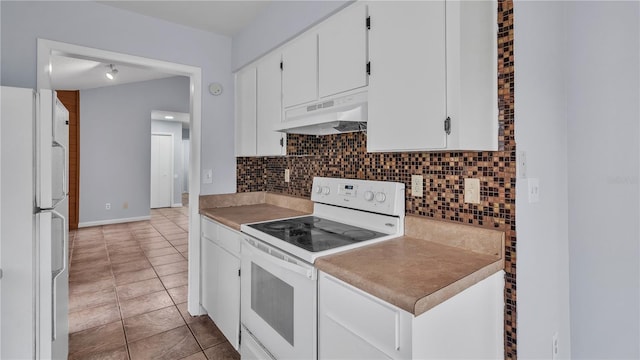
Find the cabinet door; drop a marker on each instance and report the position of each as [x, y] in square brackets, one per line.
[246, 112]
[269, 93]
[300, 71]
[355, 325]
[228, 300]
[472, 85]
[407, 86]
[209, 276]
[342, 51]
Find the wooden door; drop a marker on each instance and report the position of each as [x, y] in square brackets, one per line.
[71, 100]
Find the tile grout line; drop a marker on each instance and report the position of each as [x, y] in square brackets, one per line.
[115, 290]
[172, 299]
[202, 349]
[131, 234]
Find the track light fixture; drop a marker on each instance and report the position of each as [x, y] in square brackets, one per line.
[112, 72]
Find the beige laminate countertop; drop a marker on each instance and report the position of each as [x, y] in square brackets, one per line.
[234, 210]
[235, 216]
[412, 274]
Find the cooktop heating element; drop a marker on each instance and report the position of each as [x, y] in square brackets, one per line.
[315, 234]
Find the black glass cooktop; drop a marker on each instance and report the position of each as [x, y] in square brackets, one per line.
[316, 234]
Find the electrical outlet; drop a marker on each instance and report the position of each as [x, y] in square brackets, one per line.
[287, 175]
[472, 191]
[417, 182]
[125, 205]
[107, 206]
[555, 347]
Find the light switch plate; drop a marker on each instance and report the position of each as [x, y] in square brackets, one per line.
[417, 182]
[533, 185]
[521, 168]
[472, 191]
[207, 177]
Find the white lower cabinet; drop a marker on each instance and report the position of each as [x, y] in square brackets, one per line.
[221, 277]
[356, 325]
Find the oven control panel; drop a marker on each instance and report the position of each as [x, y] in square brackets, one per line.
[383, 197]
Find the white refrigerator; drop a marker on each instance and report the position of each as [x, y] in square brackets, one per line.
[34, 242]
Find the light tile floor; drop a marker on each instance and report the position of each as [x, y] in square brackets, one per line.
[128, 293]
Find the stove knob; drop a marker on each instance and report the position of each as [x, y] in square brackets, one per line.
[326, 190]
[381, 197]
[318, 189]
[368, 195]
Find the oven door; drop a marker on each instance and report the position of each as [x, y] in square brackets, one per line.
[278, 303]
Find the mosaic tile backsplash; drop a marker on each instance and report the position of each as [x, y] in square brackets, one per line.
[345, 156]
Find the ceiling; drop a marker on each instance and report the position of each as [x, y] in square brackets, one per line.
[217, 16]
[80, 74]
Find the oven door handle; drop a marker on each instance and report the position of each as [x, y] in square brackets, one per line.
[263, 254]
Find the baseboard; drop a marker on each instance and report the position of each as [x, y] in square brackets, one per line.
[113, 221]
[177, 205]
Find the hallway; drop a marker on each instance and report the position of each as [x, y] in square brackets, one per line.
[128, 293]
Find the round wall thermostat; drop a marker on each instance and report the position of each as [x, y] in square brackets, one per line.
[215, 89]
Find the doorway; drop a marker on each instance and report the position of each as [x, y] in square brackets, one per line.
[161, 170]
[48, 48]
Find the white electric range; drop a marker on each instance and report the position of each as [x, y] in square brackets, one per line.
[279, 281]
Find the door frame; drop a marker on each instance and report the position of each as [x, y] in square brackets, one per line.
[47, 48]
[173, 155]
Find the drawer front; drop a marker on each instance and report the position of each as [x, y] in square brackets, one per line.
[374, 321]
[209, 229]
[224, 237]
[229, 240]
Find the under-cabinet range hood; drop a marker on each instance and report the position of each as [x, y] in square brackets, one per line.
[330, 116]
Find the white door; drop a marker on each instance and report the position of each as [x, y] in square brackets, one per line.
[342, 54]
[161, 170]
[407, 86]
[246, 112]
[269, 106]
[300, 71]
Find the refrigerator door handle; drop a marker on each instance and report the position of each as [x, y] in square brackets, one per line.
[55, 274]
[64, 174]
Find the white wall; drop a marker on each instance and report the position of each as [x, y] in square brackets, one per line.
[174, 128]
[88, 23]
[541, 131]
[115, 145]
[604, 200]
[578, 119]
[277, 23]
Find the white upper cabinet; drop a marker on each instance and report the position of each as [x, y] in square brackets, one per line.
[342, 43]
[433, 83]
[300, 70]
[328, 59]
[259, 109]
[407, 86]
[472, 74]
[269, 105]
[246, 112]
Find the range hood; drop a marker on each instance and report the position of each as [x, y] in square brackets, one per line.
[332, 116]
